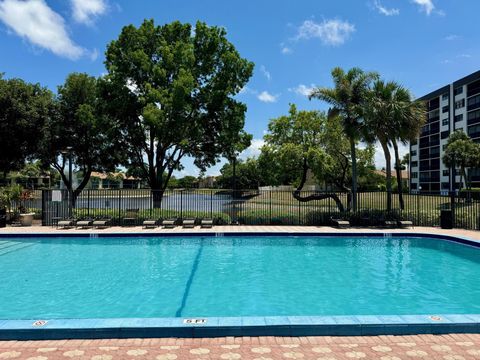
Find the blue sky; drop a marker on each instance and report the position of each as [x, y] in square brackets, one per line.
[423, 44]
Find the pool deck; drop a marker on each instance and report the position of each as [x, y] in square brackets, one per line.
[385, 347]
[474, 235]
[445, 347]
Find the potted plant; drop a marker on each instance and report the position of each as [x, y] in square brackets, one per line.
[25, 218]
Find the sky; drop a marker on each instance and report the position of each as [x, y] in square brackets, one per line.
[423, 44]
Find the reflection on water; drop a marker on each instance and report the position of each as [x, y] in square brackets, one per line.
[186, 201]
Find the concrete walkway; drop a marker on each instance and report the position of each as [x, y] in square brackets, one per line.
[475, 235]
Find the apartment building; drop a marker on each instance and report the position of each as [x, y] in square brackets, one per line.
[450, 108]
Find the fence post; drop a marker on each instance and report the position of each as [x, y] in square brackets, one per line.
[181, 204]
[211, 204]
[88, 202]
[119, 206]
[44, 212]
[452, 206]
[299, 216]
[270, 202]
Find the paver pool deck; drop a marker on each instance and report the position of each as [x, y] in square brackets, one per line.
[448, 347]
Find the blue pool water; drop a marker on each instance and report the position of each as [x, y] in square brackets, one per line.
[234, 276]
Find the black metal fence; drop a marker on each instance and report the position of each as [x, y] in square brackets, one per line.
[253, 207]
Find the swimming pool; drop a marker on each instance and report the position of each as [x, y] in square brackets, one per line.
[206, 276]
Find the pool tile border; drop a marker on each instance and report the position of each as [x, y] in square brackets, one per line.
[242, 326]
[239, 326]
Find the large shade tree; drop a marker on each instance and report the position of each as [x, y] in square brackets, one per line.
[347, 99]
[24, 108]
[301, 143]
[80, 132]
[172, 90]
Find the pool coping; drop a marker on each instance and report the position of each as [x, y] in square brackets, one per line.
[357, 325]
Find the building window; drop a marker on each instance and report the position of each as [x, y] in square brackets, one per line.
[459, 104]
[445, 185]
[473, 88]
[414, 164]
[435, 151]
[414, 152]
[473, 103]
[446, 172]
[444, 134]
[445, 96]
[458, 90]
[445, 122]
[458, 118]
[474, 131]
[414, 175]
[473, 117]
[445, 109]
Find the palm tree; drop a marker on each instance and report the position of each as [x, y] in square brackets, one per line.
[376, 113]
[392, 116]
[347, 98]
[409, 118]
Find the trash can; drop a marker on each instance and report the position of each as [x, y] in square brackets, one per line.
[446, 219]
[3, 218]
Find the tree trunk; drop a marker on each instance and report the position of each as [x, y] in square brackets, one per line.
[398, 170]
[388, 169]
[157, 197]
[353, 151]
[298, 195]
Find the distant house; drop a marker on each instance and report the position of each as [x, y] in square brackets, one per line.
[207, 182]
[405, 174]
[113, 181]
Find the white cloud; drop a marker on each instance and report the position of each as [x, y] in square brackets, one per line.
[85, 11]
[35, 21]
[253, 150]
[379, 157]
[464, 56]
[425, 5]
[452, 37]
[266, 97]
[330, 32]
[286, 50]
[303, 90]
[384, 10]
[265, 72]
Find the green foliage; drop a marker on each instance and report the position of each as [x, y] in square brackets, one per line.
[10, 195]
[310, 139]
[24, 108]
[80, 126]
[171, 89]
[248, 175]
[348, 98]
[187, 182]
[463, 152]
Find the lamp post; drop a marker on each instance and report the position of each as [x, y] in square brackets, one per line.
[68, 151]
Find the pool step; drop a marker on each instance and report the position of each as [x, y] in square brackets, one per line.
[11, 246]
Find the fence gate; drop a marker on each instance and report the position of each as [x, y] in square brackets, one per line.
[55, 205]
